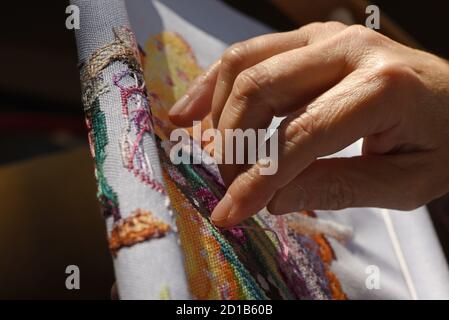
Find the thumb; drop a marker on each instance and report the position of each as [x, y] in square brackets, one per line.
[387, 181]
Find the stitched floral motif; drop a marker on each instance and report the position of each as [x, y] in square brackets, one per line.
[141, 225]
[92, 89]
[137, 126]
[123, 48]
[96, 124]
[138, 227]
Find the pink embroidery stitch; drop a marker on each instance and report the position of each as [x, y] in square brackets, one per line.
[136, 113]
[283, 238]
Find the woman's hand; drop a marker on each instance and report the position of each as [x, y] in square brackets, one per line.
[335, 84]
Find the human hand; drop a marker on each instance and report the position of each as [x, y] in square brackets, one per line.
[335, 84]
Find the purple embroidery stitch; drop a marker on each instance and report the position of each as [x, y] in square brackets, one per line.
[137, 125]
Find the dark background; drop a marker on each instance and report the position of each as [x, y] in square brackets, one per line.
[41, 112]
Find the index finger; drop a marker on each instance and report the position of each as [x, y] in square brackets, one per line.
[351, 110]
[209, 91]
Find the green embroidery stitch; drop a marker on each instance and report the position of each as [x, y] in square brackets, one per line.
[96, 123]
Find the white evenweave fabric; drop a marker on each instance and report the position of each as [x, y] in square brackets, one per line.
[149, 269]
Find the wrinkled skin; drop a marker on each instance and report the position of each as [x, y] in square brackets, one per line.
[335, 84]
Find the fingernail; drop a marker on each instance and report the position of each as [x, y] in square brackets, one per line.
[180, 105]
[222, 210]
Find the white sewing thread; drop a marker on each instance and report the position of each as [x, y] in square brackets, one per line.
[310, 225]
[399, 254]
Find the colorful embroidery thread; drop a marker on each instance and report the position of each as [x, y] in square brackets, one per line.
[141, 225]
[138, 227]
[138, 126]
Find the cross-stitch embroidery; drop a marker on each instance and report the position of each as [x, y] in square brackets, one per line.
[138, 227]
[141, 225]
[137, 126]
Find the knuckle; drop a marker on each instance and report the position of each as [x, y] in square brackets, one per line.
[233, 57]
[361, 33]
[305, 126]
[392, 73]
[285, 143]
[314, 26]
[335, 25]
[250, 90]
[248, 83]
[309, 30]
[395, 72]
[356, 29]
[339, 194]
